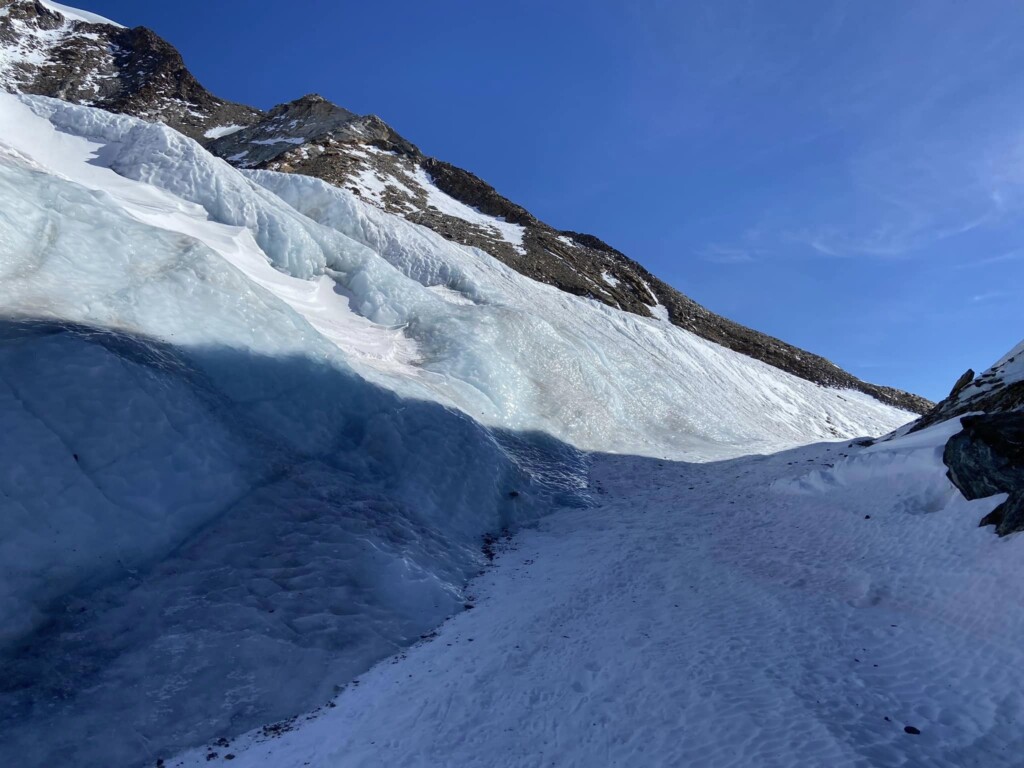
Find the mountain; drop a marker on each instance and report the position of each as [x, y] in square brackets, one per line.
[328, 454]
[51, 50]
[97, 63]
[250, 409]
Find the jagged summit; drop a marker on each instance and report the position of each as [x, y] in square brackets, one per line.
[310, 124]
[134, 71]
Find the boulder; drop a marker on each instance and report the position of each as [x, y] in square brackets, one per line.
[966, 378]
[1008, 517]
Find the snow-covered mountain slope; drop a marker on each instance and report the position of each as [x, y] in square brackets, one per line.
[252, 411]
[801, 609]
[452, 324]
[135, 72]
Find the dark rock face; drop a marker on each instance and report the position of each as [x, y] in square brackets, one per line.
[987, 458]
[299, 122]
[135, 72]
[965, 378]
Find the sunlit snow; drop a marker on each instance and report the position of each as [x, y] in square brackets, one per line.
[222, 130]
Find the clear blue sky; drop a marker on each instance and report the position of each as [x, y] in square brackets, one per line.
[846, 175]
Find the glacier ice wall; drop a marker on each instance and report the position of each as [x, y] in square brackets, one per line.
[208, 519]
[506, 350]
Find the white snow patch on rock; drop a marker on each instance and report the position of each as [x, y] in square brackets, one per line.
[222, 130]
[279, 140]
[510, 233]
[74, 14]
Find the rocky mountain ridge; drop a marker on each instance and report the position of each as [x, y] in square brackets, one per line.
[1000, 389]
[136, 72]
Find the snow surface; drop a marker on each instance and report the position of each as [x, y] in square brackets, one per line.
[711, 615]
[660, 312]
[1013, 363]
[609, 278]
[279, 140]
[546, 356]
[274, 422]
[75, 14]
[222, 130]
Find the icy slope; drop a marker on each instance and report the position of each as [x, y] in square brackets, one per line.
[508, 351]
[190, 468]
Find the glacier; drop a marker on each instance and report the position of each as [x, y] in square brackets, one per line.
[257, 428]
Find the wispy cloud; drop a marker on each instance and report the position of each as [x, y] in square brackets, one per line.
[991, 296]
[999, 258]
[721, 254]
[912, 236]
[934, 148]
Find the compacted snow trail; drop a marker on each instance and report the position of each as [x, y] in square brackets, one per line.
[762, 611]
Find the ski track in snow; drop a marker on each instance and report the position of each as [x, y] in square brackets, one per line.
[709, 615]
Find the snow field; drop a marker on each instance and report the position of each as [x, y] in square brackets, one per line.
[712, 615]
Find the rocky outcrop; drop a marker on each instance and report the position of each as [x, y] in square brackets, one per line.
[135, 72]
[999, 390]
[987, 458]
[965, 378]
[303, 122]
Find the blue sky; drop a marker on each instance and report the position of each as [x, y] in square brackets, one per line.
[848, 176]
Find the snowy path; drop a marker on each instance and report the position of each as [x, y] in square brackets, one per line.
[696, 616]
